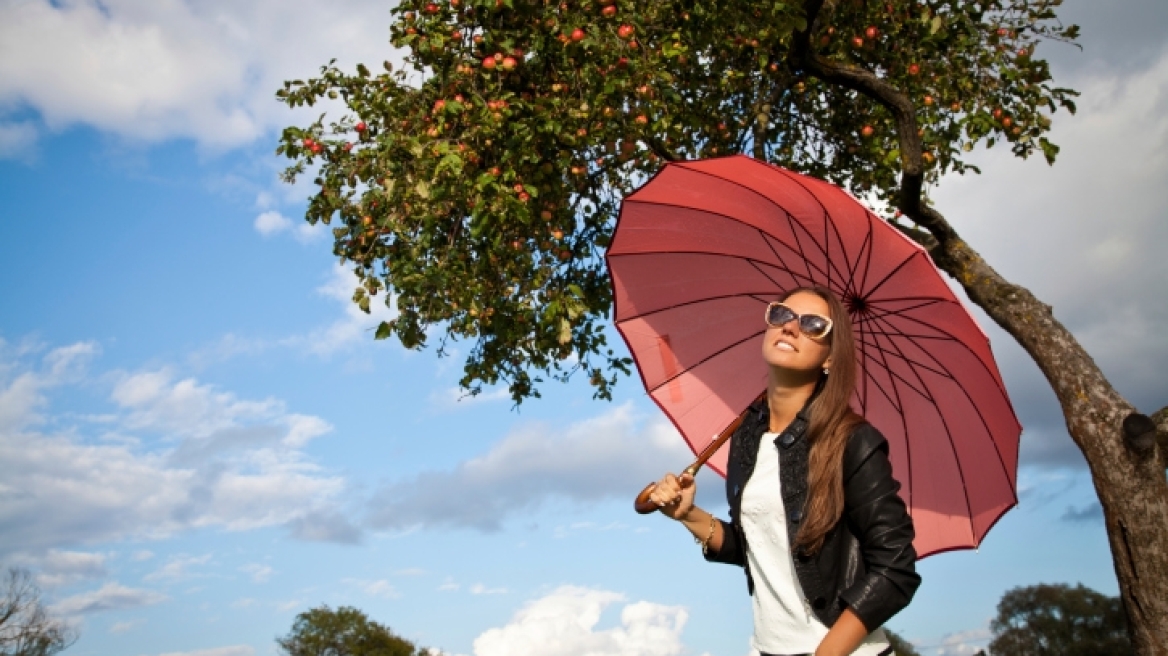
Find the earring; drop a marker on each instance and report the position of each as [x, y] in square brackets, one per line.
[826, 371]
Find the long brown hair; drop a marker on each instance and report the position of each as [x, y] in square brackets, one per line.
[832, 423]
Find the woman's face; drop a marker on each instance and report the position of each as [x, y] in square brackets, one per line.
[786, 347]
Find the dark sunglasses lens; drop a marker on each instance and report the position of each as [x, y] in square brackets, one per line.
[812, 325]
[778, 315]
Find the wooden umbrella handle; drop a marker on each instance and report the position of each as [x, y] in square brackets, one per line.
[644, 506]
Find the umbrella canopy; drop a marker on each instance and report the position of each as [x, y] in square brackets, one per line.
[703, 247]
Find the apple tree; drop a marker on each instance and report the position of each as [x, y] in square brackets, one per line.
[476, 189]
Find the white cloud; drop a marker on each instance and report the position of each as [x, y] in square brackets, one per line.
[197, 457]
[608, 456]
[480, 589]
[119, 628]
[178, 568]
[57, 568]
[378, 588]
[258, 573]
[158, 70]
[962, 643]
[273, 223]
[111, 596]
[234, 650]
[564, 623]
[141, 555]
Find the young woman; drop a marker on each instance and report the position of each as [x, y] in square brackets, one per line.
[815, 518]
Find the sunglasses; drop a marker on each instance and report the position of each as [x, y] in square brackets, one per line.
[811, 325]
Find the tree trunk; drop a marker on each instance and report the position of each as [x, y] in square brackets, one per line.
[1128, 474]
[1130, 482]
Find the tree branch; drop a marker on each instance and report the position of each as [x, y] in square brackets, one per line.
[903, 111]
[658, 146]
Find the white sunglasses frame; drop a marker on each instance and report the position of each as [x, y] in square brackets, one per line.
[766, 314]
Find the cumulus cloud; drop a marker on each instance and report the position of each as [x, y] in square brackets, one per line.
[564, 623]
[57, 568]
[183, 455]
[1085, 236]
[111, 596]
[608, 456]
[153, 71]
[273, 223]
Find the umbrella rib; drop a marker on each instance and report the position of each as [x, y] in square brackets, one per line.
[766, 238]
[895, 269]
[948, 435]
[898, 404]
[981, 416]
[754, 295]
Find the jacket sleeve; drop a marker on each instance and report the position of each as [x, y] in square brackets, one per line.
[731, 551]
[880, 521]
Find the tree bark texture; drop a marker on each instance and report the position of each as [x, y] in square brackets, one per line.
[1130, 483]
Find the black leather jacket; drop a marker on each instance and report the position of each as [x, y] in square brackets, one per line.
[867, 562]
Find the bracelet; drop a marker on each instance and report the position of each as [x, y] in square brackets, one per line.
[706, 543]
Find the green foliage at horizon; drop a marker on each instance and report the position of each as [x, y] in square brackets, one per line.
[476, 191]
[1058, 619]
[345, 631]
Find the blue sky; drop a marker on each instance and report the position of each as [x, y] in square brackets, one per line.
[199, 437]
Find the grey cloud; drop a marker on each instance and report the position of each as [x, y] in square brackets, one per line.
[606, 457]
[1086, 236]
[111, 596]
[1117, 36]
[325, 526]
[1092, 512]
[193, 451]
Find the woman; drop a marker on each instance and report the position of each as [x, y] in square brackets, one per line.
[815, 518]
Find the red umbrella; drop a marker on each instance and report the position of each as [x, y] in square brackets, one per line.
[704, 246]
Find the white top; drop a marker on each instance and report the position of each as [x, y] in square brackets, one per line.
[783, 620]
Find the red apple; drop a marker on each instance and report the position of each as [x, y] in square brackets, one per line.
[577, 34]
[867, 131]
[857, 42]
[914, 69]
[609, 11]
[518, 188]
[439, 105]
[489, 63]
[431, 8]
[558, 234]
[997, 113]
[509, 63]
[625, 32]
[524, 197]
[623, 62]
[308, 142]
[642, 119]
[871, 32]
[360, 126]
[495, 171]
[928, 100]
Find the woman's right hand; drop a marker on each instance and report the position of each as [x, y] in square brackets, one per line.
[675, 496]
